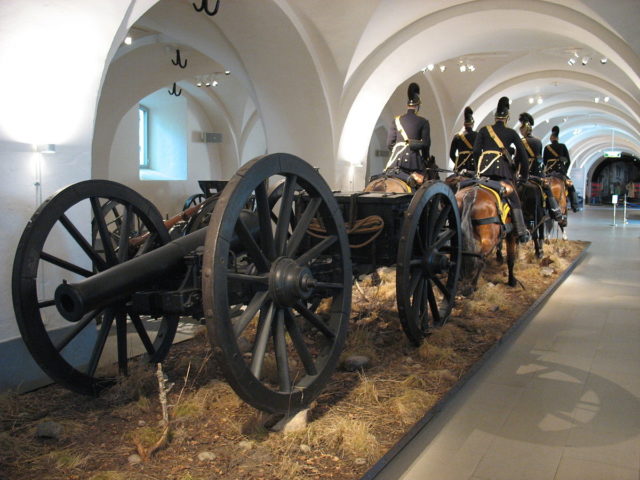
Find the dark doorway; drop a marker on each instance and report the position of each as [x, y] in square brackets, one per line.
[615, 176]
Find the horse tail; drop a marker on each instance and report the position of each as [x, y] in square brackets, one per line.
[470, 249]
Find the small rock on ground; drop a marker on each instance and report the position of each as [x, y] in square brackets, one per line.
[134, 459]
[292, 424]
[246, 445]
[206, 456]
[49, 430]
[357, 362]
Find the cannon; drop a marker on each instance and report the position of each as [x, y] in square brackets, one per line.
[270, 273]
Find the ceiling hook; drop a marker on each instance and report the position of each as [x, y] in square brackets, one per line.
[178, 62]
[173, 91]
[205, 6]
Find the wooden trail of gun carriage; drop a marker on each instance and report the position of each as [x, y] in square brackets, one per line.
[267, 261]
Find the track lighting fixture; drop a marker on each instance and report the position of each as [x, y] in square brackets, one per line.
[571, 62]
[603, 60]
[585, 60]
[443, 68]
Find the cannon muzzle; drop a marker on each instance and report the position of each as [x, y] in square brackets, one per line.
[74, 300]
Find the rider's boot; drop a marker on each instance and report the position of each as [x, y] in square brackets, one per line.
[554, 209]
[521, 229]
[573, 198]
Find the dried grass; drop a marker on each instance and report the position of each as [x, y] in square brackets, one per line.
[67, 459]
[438, 357]
[343, 435]
[412, 404]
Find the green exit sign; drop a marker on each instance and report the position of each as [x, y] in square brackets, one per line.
[612, 154]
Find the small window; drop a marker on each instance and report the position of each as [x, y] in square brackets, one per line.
[143, 136]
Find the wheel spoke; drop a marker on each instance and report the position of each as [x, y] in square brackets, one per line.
[100, 342]
[445, 291]
[121, 336]
[125, 229]
[303, 224]
[284, 217]
[264, 219]
[253, 249]
[46, 303]
[103, 230]
[435, 311]
[298, 342]
[77, 328]
[64, 264]
[282, 357]
[254, 306]
[315, 251]
[443, 238]
[142, 333]
[413, 284]
[243, 277]
[442, 218]
[262, 337]
[315, 320]
[329, 285]
[432, 215]
[82, 242]
[149, 242]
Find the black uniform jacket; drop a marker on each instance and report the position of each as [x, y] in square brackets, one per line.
[460, 153]
[536, 167]
[496, 166]
[558, 161]
[418, 131]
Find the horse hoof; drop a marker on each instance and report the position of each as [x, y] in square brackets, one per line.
[512, 283]
[539, 255]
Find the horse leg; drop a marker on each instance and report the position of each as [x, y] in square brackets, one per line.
[540, 241]
[499, 257]
[511, 259]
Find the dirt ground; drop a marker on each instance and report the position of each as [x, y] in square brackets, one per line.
[211, 434]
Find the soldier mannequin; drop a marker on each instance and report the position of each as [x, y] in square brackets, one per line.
[409, 140]
[533, 146]
[461, 151]
[491, 160]
[557, 161]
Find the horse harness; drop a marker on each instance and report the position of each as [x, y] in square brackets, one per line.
[497, 189]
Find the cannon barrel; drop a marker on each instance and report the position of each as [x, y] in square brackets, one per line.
[74, 300]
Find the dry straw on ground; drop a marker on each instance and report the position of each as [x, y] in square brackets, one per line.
[357, 418]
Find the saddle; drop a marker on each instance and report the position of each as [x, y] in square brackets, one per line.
[500, 190]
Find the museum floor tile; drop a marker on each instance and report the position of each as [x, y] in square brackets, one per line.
[560, 400]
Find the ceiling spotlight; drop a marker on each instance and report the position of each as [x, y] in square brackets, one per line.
[603, 60]
[208, 84]
[530, 100]
[576, 54]
[430, 67]
[606, 99]
[463, 68]
[585, 60]
[539, 100]
[128, 40]
[597, 99]
[471, 68]
[443, 68]
[571, 62]
[199, 84]
[214, 83]
[227, 72]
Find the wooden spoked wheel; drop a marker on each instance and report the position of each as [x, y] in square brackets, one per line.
[280, 352]
[428, 265]
[84, 229]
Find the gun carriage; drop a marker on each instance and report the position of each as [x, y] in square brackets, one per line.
[271, 274]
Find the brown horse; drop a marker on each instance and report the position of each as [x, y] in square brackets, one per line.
[387, 184]
[559, 191]
[482, 231]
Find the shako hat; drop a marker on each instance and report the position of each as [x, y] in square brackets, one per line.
[555, 130]
[413, 94]
[503, 108]
[525, 118]
[468, 116]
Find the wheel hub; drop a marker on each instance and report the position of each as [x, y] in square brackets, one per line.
[436, 262]
[289, 282]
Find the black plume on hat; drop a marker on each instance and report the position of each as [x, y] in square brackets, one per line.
[413, 94]
[468, 115]
[555, 130]
[503, 107]
[525, 117]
